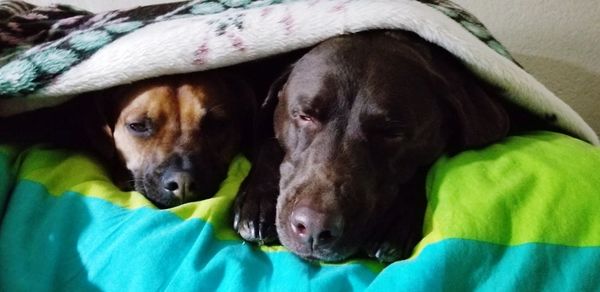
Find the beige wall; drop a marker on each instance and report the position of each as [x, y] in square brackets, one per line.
[557, 41]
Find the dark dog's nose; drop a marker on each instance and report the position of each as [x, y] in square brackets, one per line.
[179, 183]
[315, 228]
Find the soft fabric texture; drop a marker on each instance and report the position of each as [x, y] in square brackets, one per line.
[74, 52]
[520, 215]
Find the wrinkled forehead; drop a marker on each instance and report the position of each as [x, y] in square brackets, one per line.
[154, 98]
[148, 101]
[318, 83]
[310, 76]
[380, 77]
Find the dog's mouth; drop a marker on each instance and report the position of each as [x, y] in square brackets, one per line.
[149, 190]
[323, 255]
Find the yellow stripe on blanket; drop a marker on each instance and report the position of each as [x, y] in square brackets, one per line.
[62, 171]
[536, 188]
[539, 188]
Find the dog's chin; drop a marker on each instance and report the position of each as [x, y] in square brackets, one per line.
[159, 201]
[332, 254]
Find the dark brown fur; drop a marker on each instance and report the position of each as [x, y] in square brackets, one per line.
[356, 123]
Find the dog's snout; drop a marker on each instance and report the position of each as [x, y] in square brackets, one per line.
[313, 228]
[179, 183]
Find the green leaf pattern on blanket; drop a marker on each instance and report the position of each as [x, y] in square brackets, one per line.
[24, 72]
[54, 60]
[207, 8]
[17, 76]
[90, 40]
[123, 27]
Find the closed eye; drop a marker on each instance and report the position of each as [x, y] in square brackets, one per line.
[140, 127]
[306, 118]
[395, 136]
[390, 131]
[303, 118]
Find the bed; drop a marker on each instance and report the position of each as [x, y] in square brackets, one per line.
[521, 214]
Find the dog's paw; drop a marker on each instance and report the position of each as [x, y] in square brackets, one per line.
[254, 216]
[396, 246]
[397, 235]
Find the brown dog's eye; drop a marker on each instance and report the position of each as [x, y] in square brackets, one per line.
[140, 127]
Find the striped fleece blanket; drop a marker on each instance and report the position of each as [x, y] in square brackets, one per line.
[521, 214]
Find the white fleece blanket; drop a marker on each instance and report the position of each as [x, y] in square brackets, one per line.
[82, 52]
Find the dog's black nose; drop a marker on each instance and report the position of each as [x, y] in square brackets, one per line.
[179, 183]
[315, 228]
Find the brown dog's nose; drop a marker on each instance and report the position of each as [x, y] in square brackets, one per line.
[315, 228]
[180, 184]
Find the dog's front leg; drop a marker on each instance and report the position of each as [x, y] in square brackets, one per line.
[254, 209]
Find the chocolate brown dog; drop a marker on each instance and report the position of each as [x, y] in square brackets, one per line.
[171, 138]
[357, 122]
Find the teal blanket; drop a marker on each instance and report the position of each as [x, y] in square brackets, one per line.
[520, 215]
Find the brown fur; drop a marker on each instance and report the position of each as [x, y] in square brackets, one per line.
[193, 124]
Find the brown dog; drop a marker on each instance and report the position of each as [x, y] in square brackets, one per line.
[170, 138]
[357, 122]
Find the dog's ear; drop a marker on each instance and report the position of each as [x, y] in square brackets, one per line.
[475, 116]
[98, 121]
[264, 127]
[475, 111]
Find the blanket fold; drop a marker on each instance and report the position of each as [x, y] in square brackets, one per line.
[79, 52]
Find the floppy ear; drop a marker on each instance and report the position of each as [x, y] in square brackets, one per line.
[475, 115]
[264, 128]
[98, 121]
[478, 116]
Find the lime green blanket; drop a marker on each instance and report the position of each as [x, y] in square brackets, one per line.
[520, 215]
